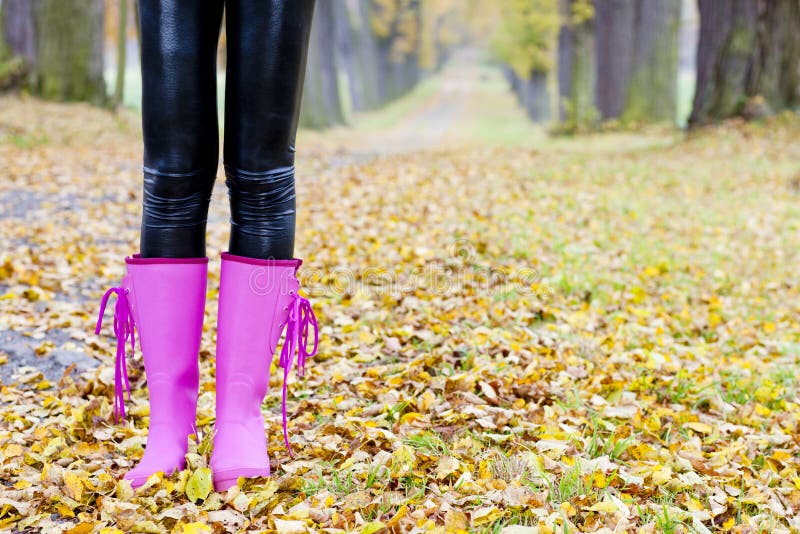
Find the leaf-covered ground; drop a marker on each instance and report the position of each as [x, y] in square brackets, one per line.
[598, 334]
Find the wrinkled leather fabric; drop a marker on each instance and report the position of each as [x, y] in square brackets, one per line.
[267, 44]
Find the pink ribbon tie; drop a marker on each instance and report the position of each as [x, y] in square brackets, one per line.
[301, 319]
[124, 330]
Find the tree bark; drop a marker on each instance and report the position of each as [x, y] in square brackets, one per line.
[397, 47]
[60, 43]
[614, 24]
[17, 43]
[637, 59]
[367, 54]
[534, 96]
[346, 55]
[748, 59]
[122, 46]
[652, 92]
[322, 105]
[69, 63]
[18, 29]
[576, 72]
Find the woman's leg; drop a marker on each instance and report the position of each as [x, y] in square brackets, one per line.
[179, 118]
[267, 47]
[258, 295]
[161, 299]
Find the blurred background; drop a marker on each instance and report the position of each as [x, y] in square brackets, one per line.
[571, 65]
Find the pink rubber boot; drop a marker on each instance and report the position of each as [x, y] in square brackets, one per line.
[257, 300]
[164, 299]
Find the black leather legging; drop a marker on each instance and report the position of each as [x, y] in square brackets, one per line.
[267, 43]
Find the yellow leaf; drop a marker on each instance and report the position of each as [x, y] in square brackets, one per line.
[147, 526]
[401, 513]
[13, 450]
[372, 527]
[22, 484]
[64, 510]
[410, 418]
[606, 505]
[661, 475]
[702, 428]
[403, 461]
[74, 485]
[195, 528]
[568, 509]
[488, 514]
[447, 465]
[263, 497]
[80, 528]
[600, 480]
[455, 521]
[652, 271]
[44, 384]
[199, 485]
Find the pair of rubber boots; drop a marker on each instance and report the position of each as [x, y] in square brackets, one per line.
[163, 300]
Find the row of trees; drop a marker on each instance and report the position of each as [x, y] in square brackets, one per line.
[618, 59]
[363, 53]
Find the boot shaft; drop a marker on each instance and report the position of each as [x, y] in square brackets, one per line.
[254, 300]
[163, 301]
[167, 298]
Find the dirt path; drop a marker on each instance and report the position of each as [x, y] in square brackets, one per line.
[463, 104]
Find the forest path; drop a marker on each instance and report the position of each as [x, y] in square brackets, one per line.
[467, 103]
[441, 112]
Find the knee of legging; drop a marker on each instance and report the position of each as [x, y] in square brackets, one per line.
[189, 149]
[261, 197]
[176, 198]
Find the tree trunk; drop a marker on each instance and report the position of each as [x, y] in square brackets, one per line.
[64, 63]
[397, 46]
[69, 63]
[535, 97]
[122, 46]
[18, 29]
[17, 43]
[367, 54]
[321, 100]
[637, 59]
[532, 93]
[576, 72]
[411, 58]
[385, 75]
[346, 55]
[748, 59]
[776, 72]
[652, 93]
[614, 24]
